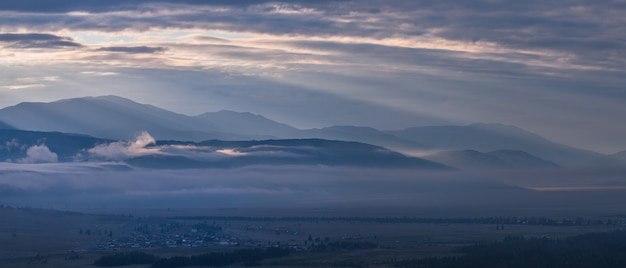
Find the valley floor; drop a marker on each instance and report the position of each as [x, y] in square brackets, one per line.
[49, 238]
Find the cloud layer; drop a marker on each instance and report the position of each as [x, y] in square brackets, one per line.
[36, 40]
[102, 179]
[454, 194]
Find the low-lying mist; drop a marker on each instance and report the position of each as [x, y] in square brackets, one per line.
[116, 185]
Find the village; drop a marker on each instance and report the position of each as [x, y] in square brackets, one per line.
[187, 235]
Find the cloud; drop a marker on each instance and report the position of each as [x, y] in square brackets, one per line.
[39, 154]
[485, 31]
[37, 79]
[36, 40]
[25, 86]
[93, 73]
[530, 27]
[145, 145]
[14, 144]
[122, 150]
[31, 82]
[231, 152]
[134, 50]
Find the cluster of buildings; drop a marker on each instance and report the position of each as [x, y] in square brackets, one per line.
[170, 235]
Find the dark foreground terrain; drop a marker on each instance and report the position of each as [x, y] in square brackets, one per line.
[32, 237]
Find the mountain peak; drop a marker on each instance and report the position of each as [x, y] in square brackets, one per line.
[235, 113]
[112, 98]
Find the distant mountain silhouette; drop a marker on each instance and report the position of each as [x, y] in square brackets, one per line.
[119, 118]
[521, 159]
[236, 122]
[491, 137]
[113, 117]
[617, 160]
[501, 159]
[361, 134]
[468, 159]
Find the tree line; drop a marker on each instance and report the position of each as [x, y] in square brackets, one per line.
[484, 220]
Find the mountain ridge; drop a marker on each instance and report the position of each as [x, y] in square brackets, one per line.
[114, 117]
[362, 134]
[500, 159]
[492, 137]
[235, 122]
[616, 160]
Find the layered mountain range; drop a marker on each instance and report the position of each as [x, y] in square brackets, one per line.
[115, 128]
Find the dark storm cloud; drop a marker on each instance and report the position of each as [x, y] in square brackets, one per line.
[134, 50]
[36, 40]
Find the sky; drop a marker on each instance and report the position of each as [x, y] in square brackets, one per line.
[554, 68]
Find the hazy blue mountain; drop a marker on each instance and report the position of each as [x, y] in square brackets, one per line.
[501, 159]
[108, 116]
[361, 134]
[521, 159]
[491, 137]
[468, 159]
[112, 117]
[289, 152]
[617, 160]
[236, 122]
